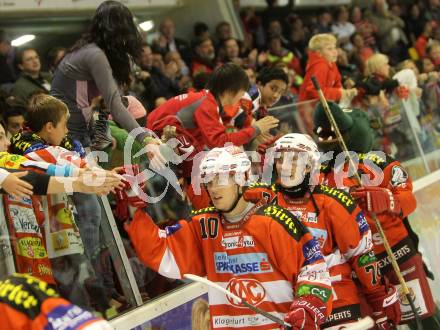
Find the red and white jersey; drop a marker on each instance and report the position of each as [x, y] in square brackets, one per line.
[268, 258]
[391, 175]
[341, 229]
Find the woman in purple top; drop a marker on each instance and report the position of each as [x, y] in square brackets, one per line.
[96, 65]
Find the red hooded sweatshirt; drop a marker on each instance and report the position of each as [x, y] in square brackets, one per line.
[327, 75]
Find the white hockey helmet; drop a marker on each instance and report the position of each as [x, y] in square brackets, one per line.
[226, 160]
[301, 143]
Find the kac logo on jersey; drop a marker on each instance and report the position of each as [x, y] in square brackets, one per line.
[240, 264]
[236, 242]
[248, 289]
[311, 252]
[362, 223]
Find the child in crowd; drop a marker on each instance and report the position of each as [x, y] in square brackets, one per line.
[47, 123]
[321, 64]
[271, 85]
[198, 118]
[14, 118]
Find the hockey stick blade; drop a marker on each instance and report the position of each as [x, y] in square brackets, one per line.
[204, 280]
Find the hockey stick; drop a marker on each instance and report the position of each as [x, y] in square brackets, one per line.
[373, 215]
[363, 324]
[240, 300]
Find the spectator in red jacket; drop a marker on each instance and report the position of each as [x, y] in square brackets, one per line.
[198, 117]
[323, 55]
[322, 64]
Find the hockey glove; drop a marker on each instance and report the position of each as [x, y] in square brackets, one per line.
[385, 305]
[259, 192]
[376, 199]
[306, 313]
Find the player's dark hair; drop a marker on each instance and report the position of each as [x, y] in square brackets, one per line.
[268, 74]
[228, 78]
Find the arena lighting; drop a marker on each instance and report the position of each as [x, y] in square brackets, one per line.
[147, 25]
[22, 40]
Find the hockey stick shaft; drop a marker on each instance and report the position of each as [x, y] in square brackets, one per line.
[373, 215]
[257, 310]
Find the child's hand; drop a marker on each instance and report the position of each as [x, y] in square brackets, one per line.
[16, 187]
[99, 182]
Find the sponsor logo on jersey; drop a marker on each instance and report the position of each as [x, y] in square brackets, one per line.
[366, 259]
[69, 317]
[399, 177]
[339, 316]
[236, 242]
[241, 264]
[232, 233]
[319, 291]
[286, 218]
[319, 234]
[340, 196]
[172, 229]
[311, 252]
[362, 222]
[248, 321]
[312, 217]
[304, 216]
[248, 289]
[398, 254]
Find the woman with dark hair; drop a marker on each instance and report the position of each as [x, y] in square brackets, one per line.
[96, 65]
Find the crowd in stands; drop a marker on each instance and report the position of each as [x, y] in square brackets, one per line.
[373, 58]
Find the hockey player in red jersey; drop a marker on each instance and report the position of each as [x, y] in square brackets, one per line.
[387, 192]
[339, 226]
[261, 253]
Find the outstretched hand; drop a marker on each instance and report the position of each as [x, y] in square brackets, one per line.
[15, 186]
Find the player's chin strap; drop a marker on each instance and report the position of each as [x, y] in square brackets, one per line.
[296, 191]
